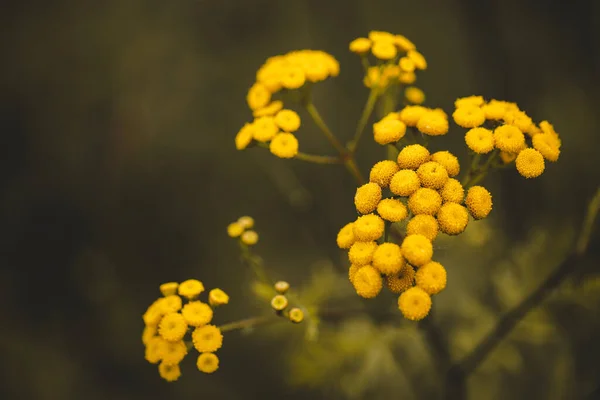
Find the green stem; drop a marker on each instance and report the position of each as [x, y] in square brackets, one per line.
[364, 118]
[247, 323]
[255, 264]
[318, 159]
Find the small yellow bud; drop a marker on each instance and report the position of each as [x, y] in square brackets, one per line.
[279, 302]
[281, 287]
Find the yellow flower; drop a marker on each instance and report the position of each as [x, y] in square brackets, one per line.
[381, 36]
[155, 349]
[470, 101]
[360, 45]
[480, 140]
[244, 136]
[410, 115]
[361, 253]
[374, 78]
[403, 43]
[468, 116]
[388, 259]
[432, 175]
[284, 145]
[507, 157]
[345, 237]
[191, 288]
[169, 288]
[530, 163]
[367, 282]
[268, 110]
[546, 145]
[479, 202]
[414, 303]
[235, 229]
[217, 297]
[401, 281]
[433, 123]
[431, 277]
[382, 172]
[448, 161]
[405, 182]
[173, 352]
[453, 191]
[388, 131]
[169, 372]
[408, 78]
[418, 59]
[153, 314]
[315, 69]
[406, 64]
[148, 333]
[281, 287]
[509, 138]
[207, 338]
[412, 156]
[287, 120]
[172, 327]
[368, 227]
[296, 315]
[417, 249]
[424, 201]
[367, 197]
[207, 363]
[258, 96]
[414, 95]
[279, 302]
[546, 127]
[264, 129]
[452, 218]
[519, 119]
[423, 224]
[246, 221]
[392, 210]
[352, 271]
[384, 50]
[249, 238]
[196, 313]
[494, 110]
[169, 304]
[293, 78]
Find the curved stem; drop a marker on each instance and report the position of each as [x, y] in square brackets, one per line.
[246, 323]
[364, 118]
[316, 159]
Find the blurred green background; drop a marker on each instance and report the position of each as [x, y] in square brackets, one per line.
[118, 172]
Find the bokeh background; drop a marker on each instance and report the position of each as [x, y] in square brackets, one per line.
[118, 172]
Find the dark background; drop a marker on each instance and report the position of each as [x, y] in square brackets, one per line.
[118, 170]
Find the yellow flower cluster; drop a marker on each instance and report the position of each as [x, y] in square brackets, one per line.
[280, 303]
[242, 229]
[398, 59]
[423, 186]
[392, 128]
[273, 125]
[168, 320]
[501, 125]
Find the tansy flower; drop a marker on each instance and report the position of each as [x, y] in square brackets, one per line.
[412, 156]
[509, 138]
[407, 78]
[388, 259]
[207, 338]
[258, 96]
[367, 197]
[410, 115]
[207, 363]
[264, 129]
[425, 201]
[388, 131]
[284, 145]
[479, 202]
[547, 146]
[381, 36]
[246, 221]
[155, 349]
[530, 163]
[423, 224]
[406, 64]
[470, 101]
[268, 110]
[368, 227]
[169, 288]
[417, 249]
[519, 119]
[507, 157]
[287, 120]
[293, 78]
[345, 237]
[281, 287]
[217, 297]
[296, 315]
[433, 124]
[148, 333]
[401, 281]
[367, 282]
[392, 210]
[480, 140]
[452, 218]
[468, 116]
[191, 288]
[431, 277]
[173, 352]
[405, 182]
[196, 313]
[172, 327]
[169, 304]
[403, 43]
[417, 58]
[361, 253]
[169, 372]
[244, 136]
[384, 50]
[352, 271]
[153, 314]
[235, 229]
[414, 303]
[432, 175]
[382, 172]
[279, 302]
[452, 191]
[448, 161]
[414, 95]
[360, 45]
[249, 238]
[494, 110]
